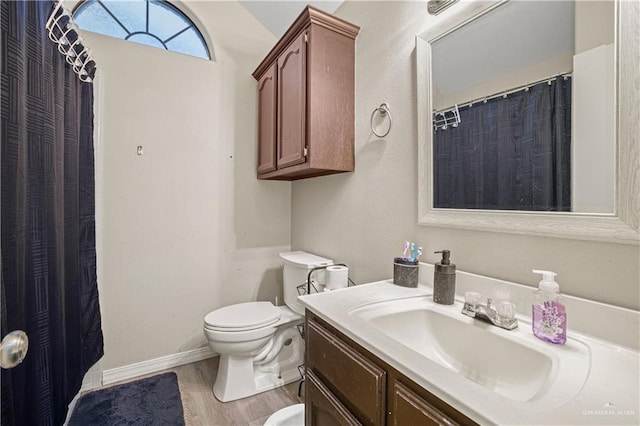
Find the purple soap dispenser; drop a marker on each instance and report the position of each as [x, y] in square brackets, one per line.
[549, 316]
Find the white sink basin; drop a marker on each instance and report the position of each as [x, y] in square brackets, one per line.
[513, 363]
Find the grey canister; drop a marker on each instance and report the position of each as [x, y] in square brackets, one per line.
[444, 280]
[405, 272]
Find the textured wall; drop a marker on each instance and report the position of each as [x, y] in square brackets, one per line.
[362, 218]
[186, 228]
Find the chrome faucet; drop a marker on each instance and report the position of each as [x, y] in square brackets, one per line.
[503, 315]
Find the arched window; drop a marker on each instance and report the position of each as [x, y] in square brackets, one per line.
[152, 22]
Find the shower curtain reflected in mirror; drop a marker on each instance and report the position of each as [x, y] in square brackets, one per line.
[508, 153]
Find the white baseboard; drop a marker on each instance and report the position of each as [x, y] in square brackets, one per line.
[91, 380]
[154, 365]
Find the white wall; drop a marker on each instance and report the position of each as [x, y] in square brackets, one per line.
[557, 65]
[186, 227]
[594, 27]
[591, 28]
[593, 162]
[526, 41]
[278, 16]
[362, 218]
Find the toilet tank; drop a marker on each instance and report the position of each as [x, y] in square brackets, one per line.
[296, 267]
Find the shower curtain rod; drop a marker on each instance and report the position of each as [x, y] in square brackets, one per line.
[504, 94]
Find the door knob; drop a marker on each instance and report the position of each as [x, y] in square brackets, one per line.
[13, 349]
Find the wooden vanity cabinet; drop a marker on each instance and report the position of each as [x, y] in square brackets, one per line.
[306, 100]
[323, 407]
[355, 381]
[348, 385]
[409, 408]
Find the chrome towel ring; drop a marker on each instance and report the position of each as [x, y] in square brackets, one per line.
[384, 111]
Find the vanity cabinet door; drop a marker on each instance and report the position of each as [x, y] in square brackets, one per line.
[322, 408]
[267, 105]
[409, 408]
[359, 383]
[292, 90]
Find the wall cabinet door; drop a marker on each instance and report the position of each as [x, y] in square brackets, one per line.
[292, 103]
[267, 104]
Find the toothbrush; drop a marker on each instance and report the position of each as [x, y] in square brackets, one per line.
[413, 252]
[405, 248]
[419, 253]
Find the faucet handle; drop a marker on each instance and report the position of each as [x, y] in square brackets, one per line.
[471, 302]
[506, 310]
[472, 298]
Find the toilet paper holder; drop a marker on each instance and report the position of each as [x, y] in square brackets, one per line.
[305, 288]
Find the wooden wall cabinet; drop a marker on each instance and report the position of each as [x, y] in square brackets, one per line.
[348, 385]
[306, 100]
[267, 121]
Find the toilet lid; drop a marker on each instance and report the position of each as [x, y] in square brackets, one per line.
[243, 316]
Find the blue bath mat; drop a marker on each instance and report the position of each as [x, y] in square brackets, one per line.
[151, 401]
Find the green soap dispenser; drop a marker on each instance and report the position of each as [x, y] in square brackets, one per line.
[444, 280]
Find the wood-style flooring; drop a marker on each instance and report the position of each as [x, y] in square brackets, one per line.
[201, 408]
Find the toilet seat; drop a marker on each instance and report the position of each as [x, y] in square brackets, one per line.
[242, 317]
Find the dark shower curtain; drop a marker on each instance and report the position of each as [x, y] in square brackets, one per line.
[510, 153]
[49, 286]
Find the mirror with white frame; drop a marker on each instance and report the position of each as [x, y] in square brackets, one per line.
[454, 74]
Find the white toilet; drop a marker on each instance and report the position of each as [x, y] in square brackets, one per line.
[292, 415]
[259, 344]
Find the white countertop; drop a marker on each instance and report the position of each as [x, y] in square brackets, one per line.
[610, 395]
